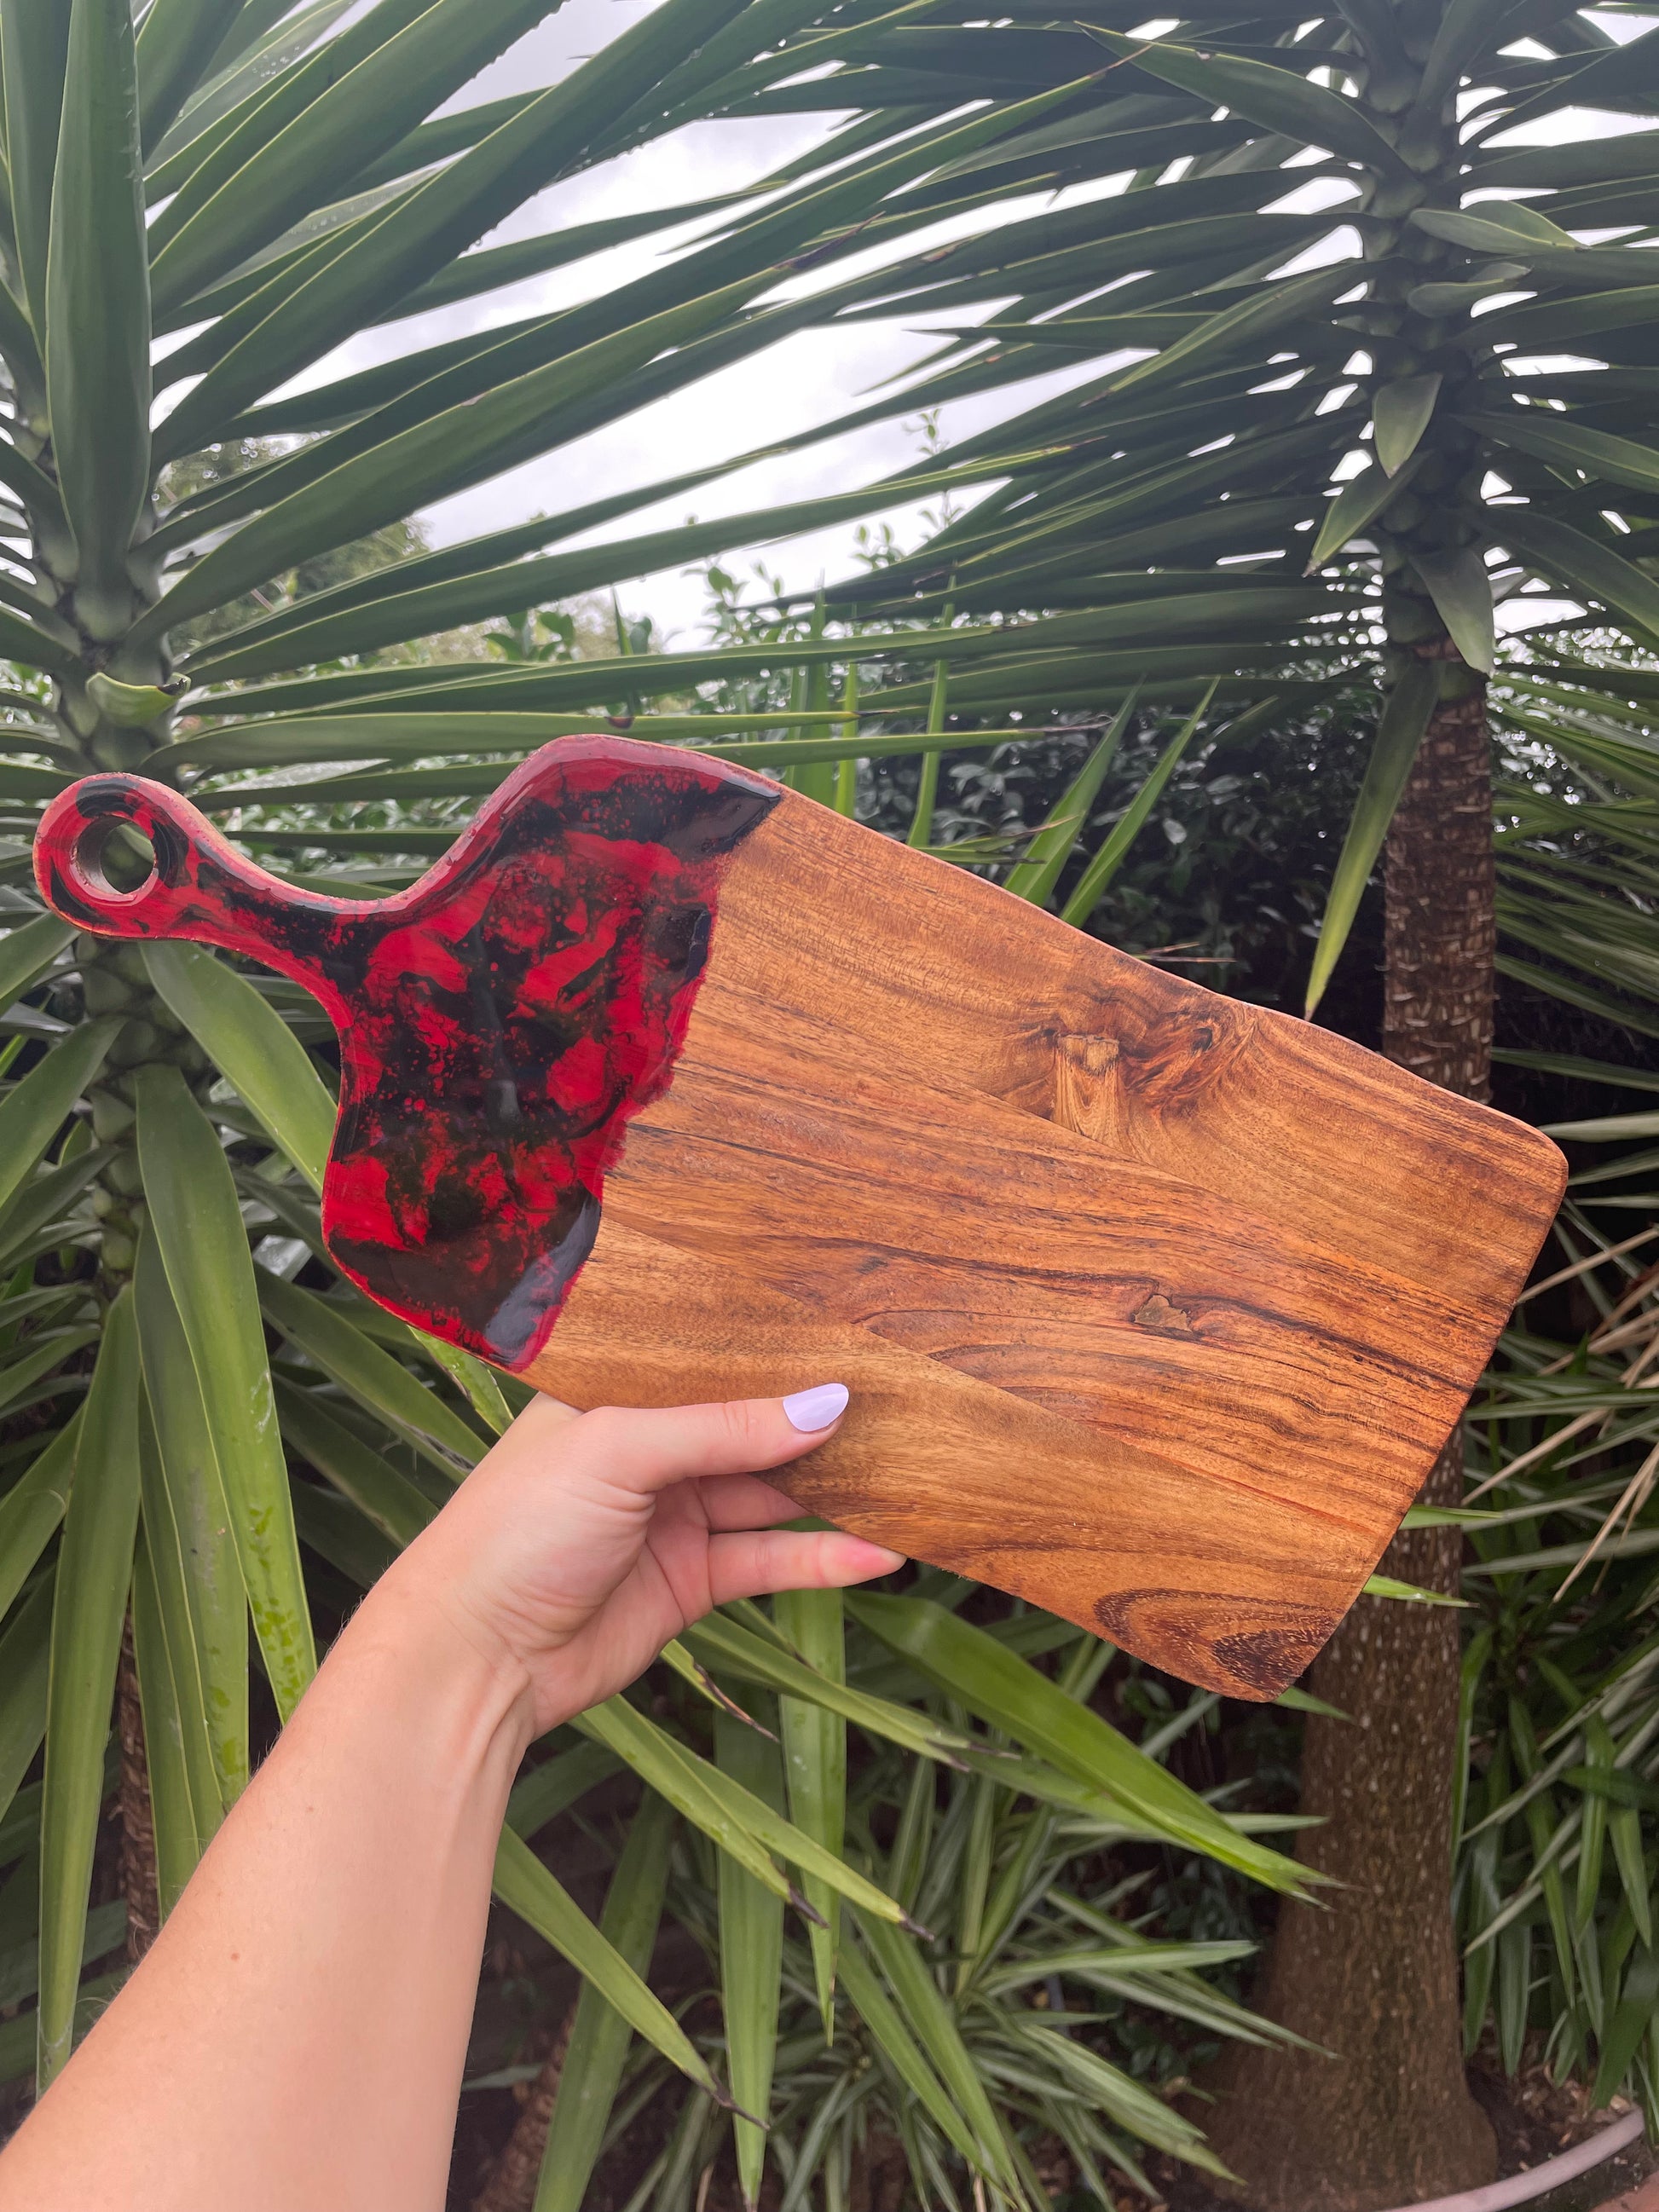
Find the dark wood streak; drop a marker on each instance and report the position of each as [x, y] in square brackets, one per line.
[1265, 1655]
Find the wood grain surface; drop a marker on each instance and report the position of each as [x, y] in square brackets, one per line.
[1190, 1573]
[1156, 1307]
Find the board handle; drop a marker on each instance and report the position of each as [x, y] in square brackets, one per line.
[200, 886]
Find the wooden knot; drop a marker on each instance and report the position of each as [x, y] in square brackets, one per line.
[1132, 1066]
[1166, 1320]
[1089, 1089]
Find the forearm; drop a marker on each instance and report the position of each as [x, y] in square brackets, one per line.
[295, 2041]
[295, 2038]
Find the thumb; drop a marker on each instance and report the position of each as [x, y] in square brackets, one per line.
[649, 1449]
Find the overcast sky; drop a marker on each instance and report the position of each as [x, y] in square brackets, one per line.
[809, 378]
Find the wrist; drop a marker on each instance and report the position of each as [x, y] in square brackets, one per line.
[472, 1703]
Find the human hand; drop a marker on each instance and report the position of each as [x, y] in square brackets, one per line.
[582, 1543]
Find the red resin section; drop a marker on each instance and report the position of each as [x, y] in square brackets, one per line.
[499, 1021]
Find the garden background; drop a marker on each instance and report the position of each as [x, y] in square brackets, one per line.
[1247, 573]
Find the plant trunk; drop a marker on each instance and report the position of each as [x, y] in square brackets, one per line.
[1373, 1977]
[1440, 939]
[138, 1880]
[510, 2186]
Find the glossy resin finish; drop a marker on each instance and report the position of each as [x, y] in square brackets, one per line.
[500, 1021]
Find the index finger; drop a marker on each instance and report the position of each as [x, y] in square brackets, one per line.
[649, 1449]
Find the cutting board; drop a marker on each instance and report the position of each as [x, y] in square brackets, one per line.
[666, 1084]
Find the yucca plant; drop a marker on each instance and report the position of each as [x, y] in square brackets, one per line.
[1558, 1717]
[1318, 406]
[1038, 1962]
[1560, 1687]
[203, 200]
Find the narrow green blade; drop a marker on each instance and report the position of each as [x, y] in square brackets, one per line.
[32, 1509]
[34, 40]
[1569, 556]
[524, 1884]
[599, 2036]
[1400, 415]
[357, 1471]
[932, 2022]
[178, 1816]
[751, 1955]
[814, 1741]
[1461, 591]
[1405, 718]
[354, 113]
[26, 953]
[370, 1374]
[32, 1112]
[1359, 503]
[738, 1820]
[25, 1662]
[1035, 877]
[462, 445]
[252, 1046]
[1096, 878]
[94, 1568]
[187, 1521]
[199, 1228]
[420, 236]
[983, 1674]
[98, 334]
[177, 45]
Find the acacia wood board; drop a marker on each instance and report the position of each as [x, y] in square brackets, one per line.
[1156, 1308]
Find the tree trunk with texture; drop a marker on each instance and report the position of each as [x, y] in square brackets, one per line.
[511, 2185]
[138, 1879]
[1373, 1977]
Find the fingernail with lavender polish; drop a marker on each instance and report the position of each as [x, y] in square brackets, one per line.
[817, 1407]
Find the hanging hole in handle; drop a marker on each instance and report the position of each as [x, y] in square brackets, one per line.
[115, 858]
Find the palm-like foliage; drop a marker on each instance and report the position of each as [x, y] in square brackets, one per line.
[1342, 374]
[208, 205]
[1033, 1958]
[1576, 846]
[1561, 1674]
[1320, 411]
